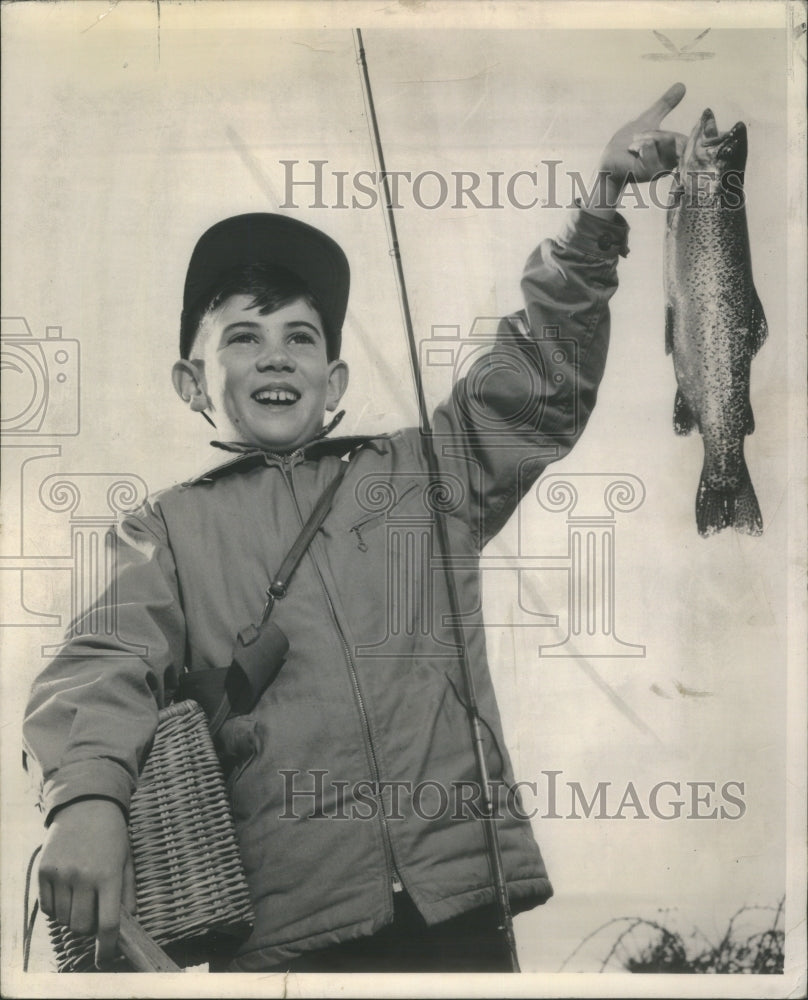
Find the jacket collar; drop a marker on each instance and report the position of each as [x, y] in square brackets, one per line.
[245, 455]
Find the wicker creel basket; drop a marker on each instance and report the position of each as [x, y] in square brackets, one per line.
[190, 884]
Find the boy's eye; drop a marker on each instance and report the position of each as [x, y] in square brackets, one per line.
[241, 337]
[302, 337]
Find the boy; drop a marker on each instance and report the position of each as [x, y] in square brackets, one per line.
[342, 876]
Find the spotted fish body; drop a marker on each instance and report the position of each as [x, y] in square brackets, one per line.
[714, 322]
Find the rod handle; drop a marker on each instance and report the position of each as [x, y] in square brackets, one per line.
[142, 950]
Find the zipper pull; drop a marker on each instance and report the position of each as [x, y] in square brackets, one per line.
[360, 542]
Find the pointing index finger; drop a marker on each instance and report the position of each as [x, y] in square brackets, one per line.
[653, 116]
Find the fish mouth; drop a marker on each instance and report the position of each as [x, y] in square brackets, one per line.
[708, 146]
[732, 147]
[709, 128]
[711, 137]
[276, 395]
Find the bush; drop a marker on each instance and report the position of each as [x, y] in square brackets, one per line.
[648, 946]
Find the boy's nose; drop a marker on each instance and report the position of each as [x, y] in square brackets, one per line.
[275, 357]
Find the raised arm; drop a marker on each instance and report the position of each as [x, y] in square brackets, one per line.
[526, 402]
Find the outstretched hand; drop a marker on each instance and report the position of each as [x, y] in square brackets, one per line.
[641, 150]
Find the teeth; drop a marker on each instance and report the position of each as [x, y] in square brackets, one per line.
[276, 396]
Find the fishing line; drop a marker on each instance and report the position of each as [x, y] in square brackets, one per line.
[494, 850]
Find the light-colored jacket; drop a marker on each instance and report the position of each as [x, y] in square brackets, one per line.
[355, 769]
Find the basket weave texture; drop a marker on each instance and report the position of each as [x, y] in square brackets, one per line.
[188, 873]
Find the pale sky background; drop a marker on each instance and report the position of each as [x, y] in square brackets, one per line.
[122, 143]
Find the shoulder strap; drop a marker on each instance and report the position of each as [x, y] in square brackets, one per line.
[261, 649]
[280, 584]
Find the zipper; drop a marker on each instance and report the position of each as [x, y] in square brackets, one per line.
[285, 461]
[394, 878]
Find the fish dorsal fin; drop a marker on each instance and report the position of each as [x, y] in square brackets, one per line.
[758, 327]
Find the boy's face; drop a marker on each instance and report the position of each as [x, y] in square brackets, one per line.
[264, 380]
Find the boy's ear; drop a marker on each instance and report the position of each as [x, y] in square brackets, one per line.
[337, 383]
[189, 382]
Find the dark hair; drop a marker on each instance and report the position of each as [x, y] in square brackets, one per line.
[271, 286]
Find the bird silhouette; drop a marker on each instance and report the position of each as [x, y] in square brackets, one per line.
[683, 53]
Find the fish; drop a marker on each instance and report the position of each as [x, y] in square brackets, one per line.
[714, 322]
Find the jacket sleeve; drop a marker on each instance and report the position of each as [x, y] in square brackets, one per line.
[528, 389]
[92, 712]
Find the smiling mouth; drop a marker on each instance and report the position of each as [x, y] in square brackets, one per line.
[276, 397]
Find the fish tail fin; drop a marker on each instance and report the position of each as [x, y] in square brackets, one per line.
[683, 419]
[717, 509]
[747, 509]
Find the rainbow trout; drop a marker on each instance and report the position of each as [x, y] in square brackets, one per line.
[714, 323]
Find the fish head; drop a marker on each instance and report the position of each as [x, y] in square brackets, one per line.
[710, 155]
[707, 148]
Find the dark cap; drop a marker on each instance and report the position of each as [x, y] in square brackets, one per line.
[264, 238]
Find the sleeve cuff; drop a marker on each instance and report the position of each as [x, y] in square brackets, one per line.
[97, 779]
[596, 236]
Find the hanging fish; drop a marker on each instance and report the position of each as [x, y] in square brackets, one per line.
[714, 322]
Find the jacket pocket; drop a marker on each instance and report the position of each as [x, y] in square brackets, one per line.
[371, 520]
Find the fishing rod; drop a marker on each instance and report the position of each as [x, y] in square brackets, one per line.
[489, 825]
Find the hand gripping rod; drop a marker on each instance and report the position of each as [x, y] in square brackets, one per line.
[488, 818]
